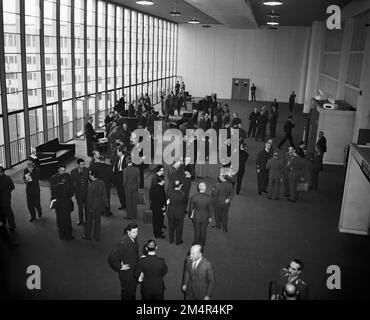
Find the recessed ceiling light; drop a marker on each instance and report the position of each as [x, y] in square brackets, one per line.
[206, 26]
[145, 2]
[193, 21]
[272, 3]
[273, 23]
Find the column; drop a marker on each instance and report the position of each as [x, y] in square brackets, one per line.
[316, 46]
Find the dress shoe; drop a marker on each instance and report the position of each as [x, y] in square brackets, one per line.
[268, 197]
[70, 238]
[40, 215]
[291, 200]
[264, 191]
[32, 219]
[276, 199]
[259, 193]
[161, 237]
[120, 208]
[127, 218]
[181, 242]
[79, 223]
[86, 238]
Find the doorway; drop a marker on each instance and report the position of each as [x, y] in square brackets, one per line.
[240, 89]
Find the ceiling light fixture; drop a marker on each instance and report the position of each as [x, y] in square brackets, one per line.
[272, 3]
[193, 21]
[273, 15]
[175, 13]
[273, 23]
[145, 2]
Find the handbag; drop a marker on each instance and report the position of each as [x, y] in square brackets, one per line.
[302, 186]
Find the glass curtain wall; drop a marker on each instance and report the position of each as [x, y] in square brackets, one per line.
[64, 60]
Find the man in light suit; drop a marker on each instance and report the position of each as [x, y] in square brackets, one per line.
[131, 182]
[80, 181]
[199, 276]
[96, 203]
[200, 212]
[150, 270]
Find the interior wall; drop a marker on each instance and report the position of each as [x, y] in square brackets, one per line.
[274, 60]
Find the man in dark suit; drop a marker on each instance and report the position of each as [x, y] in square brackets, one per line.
[118, 166]
[222, 194]
[96, 203]
[253, 92]
[91, 137]
[200, 212]
[131, 182]
[254, 118]
[177, 87]
[104, 172]
[62, 192]
[199, 278]
[273, 121]
[6, 189]
[262, 124]
[288, 128]
[262, 172]
[150, 271]
[158, 199]
[31, 177]
[276, 170]
[243, 157]
[292, 101]
[176, 212]
[175, 173]
[158, 172]
[123, 259]
[80, 181]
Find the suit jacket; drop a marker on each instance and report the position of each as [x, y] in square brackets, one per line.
[254, 117]
[173, 175]
[177, 206]
[127, 252]
[104, 172]
[90, 133]
[264, 118]
[199, 282]
[262, 157]
[201, 203]
[80, 181]
[131, 178]
[33, 187]
[221, 192]
[96, 197]
[69, 186]
[154, 269]
[157, 198]
[276, 167]
[6, 188]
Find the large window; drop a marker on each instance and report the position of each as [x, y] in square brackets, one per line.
[67, 59]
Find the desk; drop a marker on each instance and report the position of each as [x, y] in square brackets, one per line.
[355, 213]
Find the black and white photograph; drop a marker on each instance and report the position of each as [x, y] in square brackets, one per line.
[198, 151]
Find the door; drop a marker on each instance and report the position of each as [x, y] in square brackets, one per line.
[240, 89]
[244, 89]
[236, 90]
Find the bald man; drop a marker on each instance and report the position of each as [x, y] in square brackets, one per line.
[200, 211]
[199, 276]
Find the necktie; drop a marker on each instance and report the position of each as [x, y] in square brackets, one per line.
[194, 265]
